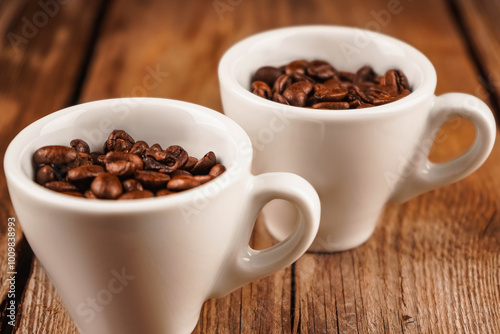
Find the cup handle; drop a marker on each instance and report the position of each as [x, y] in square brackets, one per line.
[247, 264]
[428, 175]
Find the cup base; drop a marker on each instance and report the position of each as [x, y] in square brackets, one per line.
[321, 246]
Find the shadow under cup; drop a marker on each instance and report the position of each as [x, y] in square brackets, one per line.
[334, 150]
[139, 266]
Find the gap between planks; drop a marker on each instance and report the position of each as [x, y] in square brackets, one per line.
[481, 68]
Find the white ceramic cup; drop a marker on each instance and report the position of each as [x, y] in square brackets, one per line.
[147, 265]
[358, 160]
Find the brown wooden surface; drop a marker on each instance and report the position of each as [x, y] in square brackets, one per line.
[432, 265]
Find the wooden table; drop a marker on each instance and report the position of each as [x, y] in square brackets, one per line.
[433, 264]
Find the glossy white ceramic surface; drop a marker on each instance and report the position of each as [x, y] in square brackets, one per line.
[147, 266]
[358, 160]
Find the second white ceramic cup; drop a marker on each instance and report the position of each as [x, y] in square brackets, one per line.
[358, 160]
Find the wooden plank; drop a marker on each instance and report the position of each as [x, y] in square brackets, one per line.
[424, 261]
[430, 266]
[40, 58]
[260, 307]
[479, 21]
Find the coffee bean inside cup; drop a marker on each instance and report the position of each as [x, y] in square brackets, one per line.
[317, 84]
[124, 170]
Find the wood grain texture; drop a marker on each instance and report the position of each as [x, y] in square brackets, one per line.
[39, 69]
[481, 28]
[263, 306]
[43, 310]
[432, 264]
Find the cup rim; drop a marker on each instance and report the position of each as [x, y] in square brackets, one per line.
[244, 47]
[16, 176]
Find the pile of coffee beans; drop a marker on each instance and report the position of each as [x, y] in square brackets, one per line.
[317, 84]
[125, 169]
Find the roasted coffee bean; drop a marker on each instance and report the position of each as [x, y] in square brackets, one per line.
[261, 89]
[131, 185]
[45, 174]
[75, 163]
[84, 172]
[319, 86]
[167, 161]
[176, 157]
[203, 178]
[365, 105]
[101, 160]
[296, 94]
[331, 105]
[151, 179]
[89, 194]
[60, 186]
[180, 172]
[295, 97]
[282, 83]
[355, 93]
[106, 186]
[320, 82]
[121, 168]
[156, 147]
[381, 101]
[267, 74]
[277, 97]
[364, 74]
[80, 146]
[217, 170]
[85, 159]
[55, 154]
[204, 165]
[332, 83]
[123, 163]
[385, 100]
[164, 192]
[324, 94]
[304, 86]
[355, 104]
[155, 152]
[183, 183]
[136, 194]
[73, 193]
[347, 76]
[139, 147]
[297, 77]
[379, 91]
[297, 66]
[151, 164]
[365, 86]
[124, 156]
[190, 163]
[390, 81]
[402, 81]
[119, 140]
[321, 70]
[120, 171]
